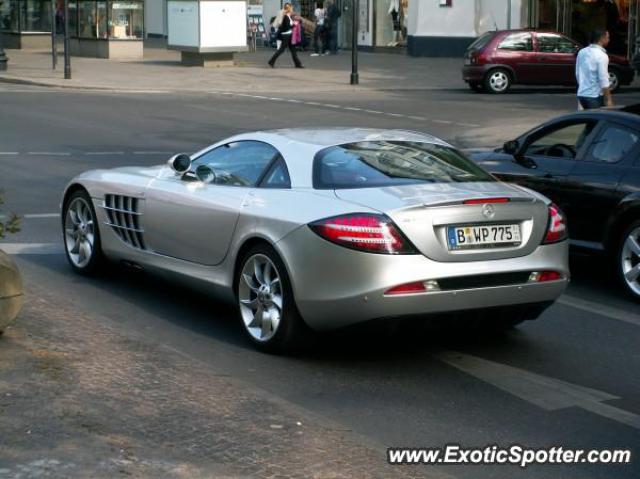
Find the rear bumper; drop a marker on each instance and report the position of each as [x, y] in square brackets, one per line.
[336, 287]
[473, 73]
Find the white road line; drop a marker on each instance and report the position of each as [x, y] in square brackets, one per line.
[471, 125]
[48, 153]
[419, 118]
[329, 105]
[375, 112]
[542, 391]
[32, 248]
[103, 153]
[442, 122]
[40, 215]
[397, 115]
[152, 152]
[312, 103]
[9, 153]
[600, 309]
[350, 108]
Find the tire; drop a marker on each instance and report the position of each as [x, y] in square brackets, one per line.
[478, 87]
[81, 234]
[628, 260]
[614, 79]
[258, 289]
[497, 81]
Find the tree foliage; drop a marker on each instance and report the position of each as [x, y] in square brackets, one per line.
[10, 223]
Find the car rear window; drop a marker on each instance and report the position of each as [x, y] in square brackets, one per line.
[481, 41]
[389, 163]
[519, 41]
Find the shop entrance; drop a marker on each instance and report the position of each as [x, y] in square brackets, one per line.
[577, 18]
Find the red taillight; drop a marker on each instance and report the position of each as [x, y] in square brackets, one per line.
[408, 288]
[482, 201]
[557, 228]
[543, 276]
[364, 232]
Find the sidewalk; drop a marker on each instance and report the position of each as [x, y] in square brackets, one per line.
[161, 70]
[79, 397]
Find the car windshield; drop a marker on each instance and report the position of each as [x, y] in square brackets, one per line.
[389, 163]
[481, 41]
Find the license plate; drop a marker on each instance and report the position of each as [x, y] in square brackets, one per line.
[486, 236]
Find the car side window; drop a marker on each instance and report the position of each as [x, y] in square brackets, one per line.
[552, 43]
[241, 163]
[561, 142]
[277, 176]
[521, 42]
[612, 145]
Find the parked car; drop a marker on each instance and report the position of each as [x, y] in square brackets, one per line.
[326, 228]
[588, 163]
[499, 59]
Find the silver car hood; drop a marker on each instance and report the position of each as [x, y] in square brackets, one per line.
[424, 212]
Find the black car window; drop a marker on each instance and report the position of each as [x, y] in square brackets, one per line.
[481, 41]
[520, 41]
[553, 43]
[612, 145]
[240, 163]
[277, 176]
[561, 142]
[389, 163]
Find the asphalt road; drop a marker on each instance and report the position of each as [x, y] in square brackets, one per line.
[400, 390]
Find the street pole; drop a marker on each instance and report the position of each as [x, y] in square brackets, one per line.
[54, 46]
[67, 54]
[3, 56]
[354, 42]
[508, 14]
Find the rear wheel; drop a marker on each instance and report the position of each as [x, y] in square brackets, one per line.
[614, 80]
[265, 300]
[497, 81]
[81, 234]
[628, 260]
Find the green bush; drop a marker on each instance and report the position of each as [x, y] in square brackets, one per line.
[10, 225]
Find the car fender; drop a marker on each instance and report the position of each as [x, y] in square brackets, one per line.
[627, 209]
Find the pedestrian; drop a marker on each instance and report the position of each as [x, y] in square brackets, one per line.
[592, 72]
[285, 32]
[331, 22]
[319, 34]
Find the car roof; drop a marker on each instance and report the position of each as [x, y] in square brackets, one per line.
[324, 137]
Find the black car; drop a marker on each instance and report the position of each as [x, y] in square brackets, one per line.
[587, 163]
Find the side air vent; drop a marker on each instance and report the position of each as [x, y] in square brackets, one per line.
[124, 217]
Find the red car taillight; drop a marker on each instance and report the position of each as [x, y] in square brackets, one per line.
[364, 232]
[557, 227]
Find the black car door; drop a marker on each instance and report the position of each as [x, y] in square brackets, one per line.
[547, 157]
[592, 189]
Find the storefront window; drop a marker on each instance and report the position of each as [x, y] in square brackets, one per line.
[390, 22]
[35, 15]
[126, 20]
[86, 19]
[73, 19]
[10, 16]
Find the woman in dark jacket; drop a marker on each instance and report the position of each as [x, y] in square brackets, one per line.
[285, 32]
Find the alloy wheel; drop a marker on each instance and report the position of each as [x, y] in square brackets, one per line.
[613, 81]
[630, 260]
[79, 232]
[499, 81]
[260, 294]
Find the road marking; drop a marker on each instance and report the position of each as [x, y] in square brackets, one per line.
[40, 215]
[374, 111]
[542, 391]
[350, 108]
[443, 122]
[102, 153]
[600, 309]
[32, 248]
[397, 115]
[8, 152]
[49, 153]
[471, 125]
[419, 118]
[152, 152]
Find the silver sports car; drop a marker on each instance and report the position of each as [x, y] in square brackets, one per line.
[311, 229]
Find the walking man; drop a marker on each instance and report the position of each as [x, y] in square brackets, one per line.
[319, 34]
[592, 72]
[285, 32]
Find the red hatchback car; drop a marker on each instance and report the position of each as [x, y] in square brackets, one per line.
[499, 59]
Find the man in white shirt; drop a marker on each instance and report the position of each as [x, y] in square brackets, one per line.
[320, 33]
[592, 73]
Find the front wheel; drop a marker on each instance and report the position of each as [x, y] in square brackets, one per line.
[265, 300]
[497, 81]
[81, 234]
[628, 259]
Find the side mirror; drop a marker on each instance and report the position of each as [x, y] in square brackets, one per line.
[205, 174]
[180, 163]
[511, 147]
